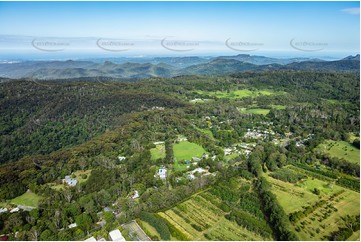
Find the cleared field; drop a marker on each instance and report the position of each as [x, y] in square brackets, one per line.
[200, 219]
[27, 199]
[231, 156]
[340, 149]
[279, 107]
[185, 150]
[207, 132]
[158, 152]
[327, 209]
[177, 166]
[255, 110]
[239, 93]
[324, 220]
[355, 236]
[149, 229]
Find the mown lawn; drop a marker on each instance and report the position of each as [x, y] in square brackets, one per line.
[255, 110]
[207, 132]
[27, 199]
[158, 152]
[185, 150]
[340, 149]
[279, 107]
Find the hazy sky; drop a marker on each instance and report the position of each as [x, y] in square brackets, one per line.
[270, 26]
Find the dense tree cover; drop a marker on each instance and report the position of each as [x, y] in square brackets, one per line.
[306, 84]
[274, 211]
[130, 128]
[158, 223]
[287, 175]
[38, 118]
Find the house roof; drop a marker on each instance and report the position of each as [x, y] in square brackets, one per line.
[116, 235]
[91, 239]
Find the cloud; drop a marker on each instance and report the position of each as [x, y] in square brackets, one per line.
[353, 11]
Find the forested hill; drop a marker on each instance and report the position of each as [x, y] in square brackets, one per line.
[256, 140]
[41, 117]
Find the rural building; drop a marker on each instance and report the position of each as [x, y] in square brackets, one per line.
[135, 194]
[199, 170]
[121, 158]
[162, 173]
[108, 209]
[196, 159]
[116, 235]
[3, 210]
[73, 225]
[91, 239]
[191, 177]
[14, 210]
[70, 181]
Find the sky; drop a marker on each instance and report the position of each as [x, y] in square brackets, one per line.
[51, 29]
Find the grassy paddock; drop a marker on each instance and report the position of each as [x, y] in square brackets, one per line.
[239, 93]
[158, 152]
[255, 110]
[185, 150]
[324, 220]
[340, 149]
[27, 199]
[279, 107]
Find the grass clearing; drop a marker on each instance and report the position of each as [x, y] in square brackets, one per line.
[177, 166]
[185, 150]
[239, 93]
[79, 175]
[207, 132]
[279, 107]
[341, 150]
[27, 199]
[158, 152]
[255, 110]
[231, 156]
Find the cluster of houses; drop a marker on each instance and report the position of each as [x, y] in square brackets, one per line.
[16, 209]
[114, 235]
[199, 170]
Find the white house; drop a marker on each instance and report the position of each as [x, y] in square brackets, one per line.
[116, 235]
[121, 158]
[91, 239]
[3, 210]
[162, 173]
[70, 181]
[196, 159]
[14, 210]
[135, 195]
[73, 225]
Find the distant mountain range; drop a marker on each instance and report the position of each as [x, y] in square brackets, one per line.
[169, 66]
